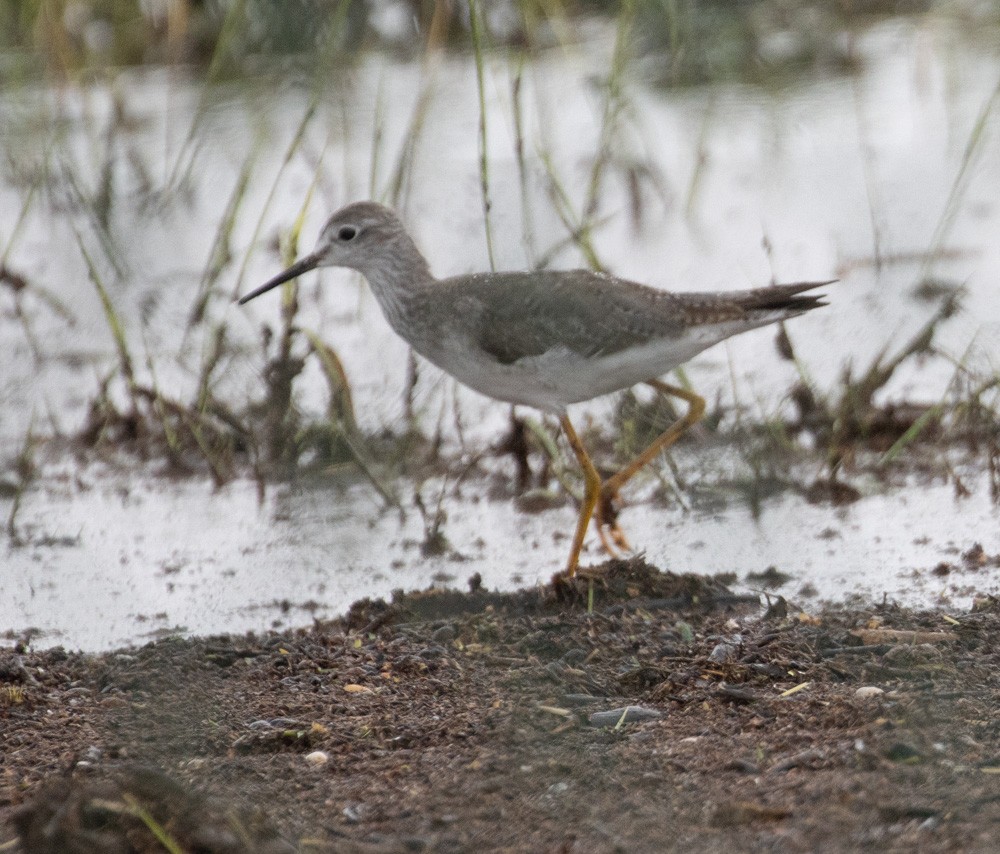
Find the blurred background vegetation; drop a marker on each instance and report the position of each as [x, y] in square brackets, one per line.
[684, 41]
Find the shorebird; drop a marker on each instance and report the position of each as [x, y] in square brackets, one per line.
[545, 338]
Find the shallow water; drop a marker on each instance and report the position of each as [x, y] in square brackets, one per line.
[848, 177]
[112, 560]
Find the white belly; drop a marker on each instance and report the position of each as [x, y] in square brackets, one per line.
[559, 377]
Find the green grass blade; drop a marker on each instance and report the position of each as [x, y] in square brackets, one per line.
[977, 138]
[912, 434]
[154, 827]
[114, 320]
[476, 26]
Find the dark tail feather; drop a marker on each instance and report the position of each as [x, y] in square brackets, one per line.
[782, 297]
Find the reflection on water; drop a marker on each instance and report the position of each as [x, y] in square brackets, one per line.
[711, 188]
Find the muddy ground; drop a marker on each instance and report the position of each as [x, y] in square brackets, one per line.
[464, 721]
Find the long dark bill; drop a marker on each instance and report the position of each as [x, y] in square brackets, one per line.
[304, 265]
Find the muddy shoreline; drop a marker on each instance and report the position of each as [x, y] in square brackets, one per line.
[667, 715]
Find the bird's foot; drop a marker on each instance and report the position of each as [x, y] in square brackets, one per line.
[612, 536]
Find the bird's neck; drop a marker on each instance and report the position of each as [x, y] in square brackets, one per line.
[397, 277]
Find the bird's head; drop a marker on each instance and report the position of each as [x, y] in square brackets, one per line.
[361, 236]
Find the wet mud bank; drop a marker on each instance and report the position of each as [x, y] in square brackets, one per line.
[633, 710]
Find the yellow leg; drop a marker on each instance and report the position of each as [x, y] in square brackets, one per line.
[592, 488]
[606, 513]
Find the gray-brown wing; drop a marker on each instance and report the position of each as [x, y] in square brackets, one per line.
[519, 315]
[527, 314]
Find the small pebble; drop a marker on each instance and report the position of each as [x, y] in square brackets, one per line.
[317, 757]
[77, 692]
[725, 651]
[444, 634]
[435, 651]
[867, 692]
[626, 715]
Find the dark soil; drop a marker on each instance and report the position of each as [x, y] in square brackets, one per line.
[457, 722]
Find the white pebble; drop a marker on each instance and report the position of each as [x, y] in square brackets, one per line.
[868, 691]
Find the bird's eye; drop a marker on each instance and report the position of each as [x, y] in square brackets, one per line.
[347, 232]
